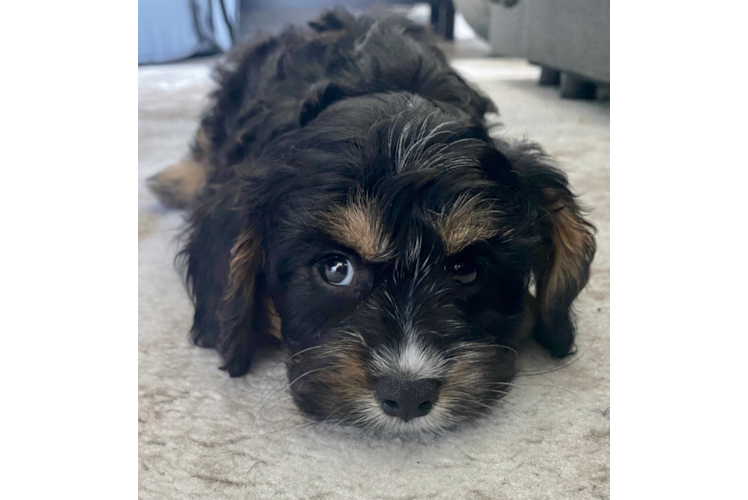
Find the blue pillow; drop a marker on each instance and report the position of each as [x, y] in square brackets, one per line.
[170, 30]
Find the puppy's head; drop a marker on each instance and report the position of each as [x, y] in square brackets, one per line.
[396, 243]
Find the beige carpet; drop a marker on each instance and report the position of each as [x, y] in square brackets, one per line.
[204, 435]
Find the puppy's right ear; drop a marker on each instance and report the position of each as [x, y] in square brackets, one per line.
[225, 271]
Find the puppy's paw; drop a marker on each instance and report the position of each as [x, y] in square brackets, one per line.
[237, 366]
[178, 185]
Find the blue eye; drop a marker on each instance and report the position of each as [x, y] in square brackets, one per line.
[337, 271]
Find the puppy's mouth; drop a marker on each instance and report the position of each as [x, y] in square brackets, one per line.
[394, 392]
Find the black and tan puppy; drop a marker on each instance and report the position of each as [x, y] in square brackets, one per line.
[346, 197]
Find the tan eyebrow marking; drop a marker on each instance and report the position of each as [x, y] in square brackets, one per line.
[469, 220]
[358, 225]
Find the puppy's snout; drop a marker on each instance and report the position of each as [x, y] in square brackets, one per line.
[407, 399]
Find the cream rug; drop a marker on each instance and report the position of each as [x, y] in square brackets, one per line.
[204, 435]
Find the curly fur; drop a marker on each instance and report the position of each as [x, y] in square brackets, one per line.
[354, 137]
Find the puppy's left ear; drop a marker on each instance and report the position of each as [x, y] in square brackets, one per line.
[565, 249]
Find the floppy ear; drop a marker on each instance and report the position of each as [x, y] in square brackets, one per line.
[564, 250]
[233, 312]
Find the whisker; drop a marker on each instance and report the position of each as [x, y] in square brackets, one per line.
[278, 392]
[504, 393]
[513, 119]
[474, 346]
[269, 390]
[305, 350]
[505, 402]
[303, 425]
[532, 374]
[508, 349]
[543, 385]
[473, 398]
[480, 414]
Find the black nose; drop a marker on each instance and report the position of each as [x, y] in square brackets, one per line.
[407, 399]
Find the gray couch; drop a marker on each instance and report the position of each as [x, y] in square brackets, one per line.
[570, 39]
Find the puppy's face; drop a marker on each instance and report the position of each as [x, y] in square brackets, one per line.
[399, 302]
[396, 243]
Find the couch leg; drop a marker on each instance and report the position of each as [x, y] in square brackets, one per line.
[549, 77]
[573, 87]
[443, 18]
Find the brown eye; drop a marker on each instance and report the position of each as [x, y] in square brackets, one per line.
[337, 271]
[464, 272]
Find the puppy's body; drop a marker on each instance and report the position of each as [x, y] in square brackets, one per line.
[355, 206]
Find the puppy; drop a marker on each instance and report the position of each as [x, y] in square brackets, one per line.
[346, 198]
